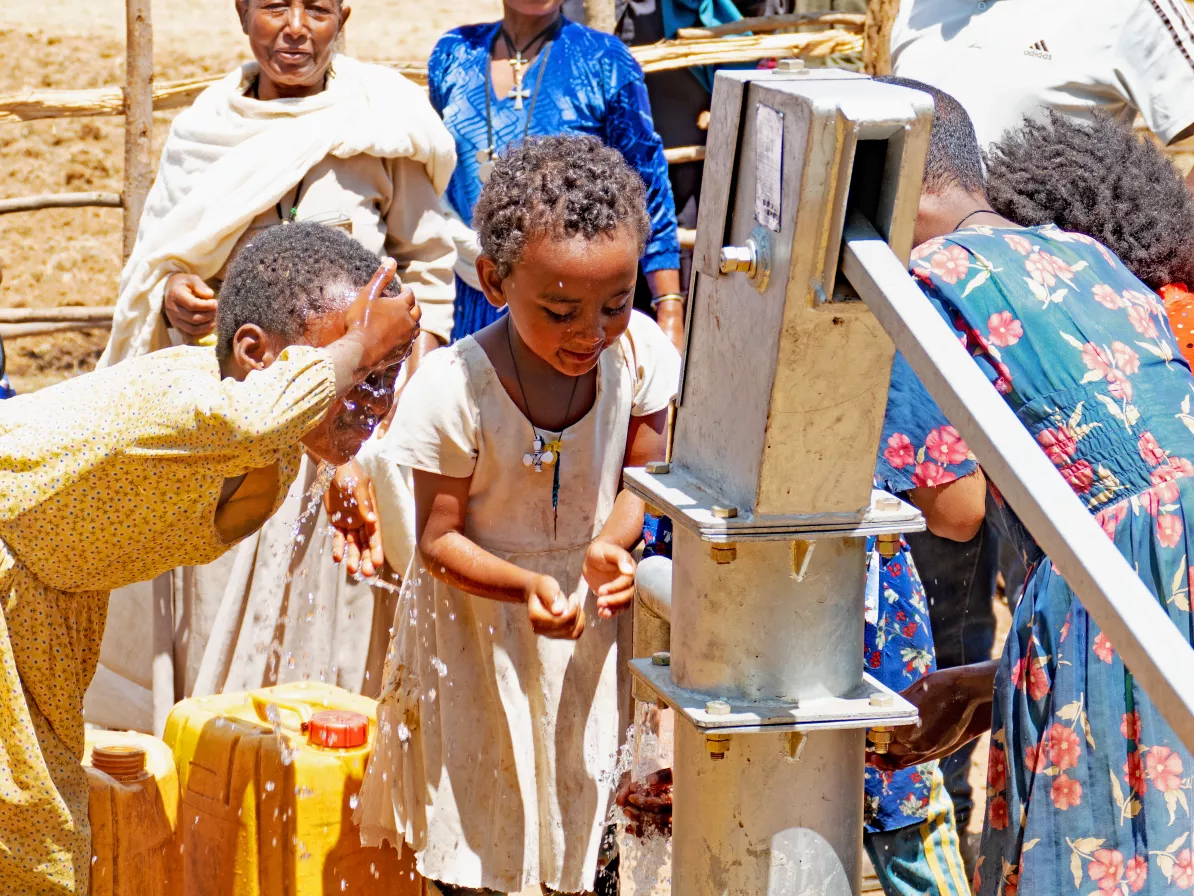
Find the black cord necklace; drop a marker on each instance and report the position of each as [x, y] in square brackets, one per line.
[487, 155]
[519, 63]
[977, 211]
[542, 453]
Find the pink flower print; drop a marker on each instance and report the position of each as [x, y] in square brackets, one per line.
[1182, 466]
[997, 813]
[1066, 792]
[1165, 487]
[1143, 322]
[1147, 301]
[1017, 243]
[1108, 297]
[1134, 773]
[1129, 724]
[930, 475]
[1096, 358]
[1183, 870]
[1003, 381]
[1119, 386]
[1136, 873]
[1036, 758]
[1060, 268]
[1164, 769]
[1028, 675]
[1080, 476]
[1064, 747]
[1150, 451]
[951, 263]
[1102, 648]
[1126, 358]
[928, 247]
[996, 769]
[1111, 517]
[1169, 529]
[1107, 869]
[1005, 329]
[1039, 268]
[899, 451]
[1059, 444]
[946, 446]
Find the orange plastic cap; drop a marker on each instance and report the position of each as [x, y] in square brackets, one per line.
[338, 728]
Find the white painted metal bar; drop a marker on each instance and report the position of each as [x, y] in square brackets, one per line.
[1149, 643]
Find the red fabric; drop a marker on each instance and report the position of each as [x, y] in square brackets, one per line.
[1179, 305]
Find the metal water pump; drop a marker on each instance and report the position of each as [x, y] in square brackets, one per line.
[769, 484]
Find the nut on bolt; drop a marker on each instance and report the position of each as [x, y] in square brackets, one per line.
[888, 544]
[723, 553]
[717, 745]
[722, 512]
[658, 467]
[740, 259]
[880, 739]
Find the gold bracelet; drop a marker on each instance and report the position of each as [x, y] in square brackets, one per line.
[669, 297]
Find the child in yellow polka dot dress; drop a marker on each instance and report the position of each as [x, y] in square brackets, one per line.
[164, 460]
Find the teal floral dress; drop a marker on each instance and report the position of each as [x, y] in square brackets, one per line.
[1088, 787]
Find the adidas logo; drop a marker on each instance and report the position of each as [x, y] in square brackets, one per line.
[1039, 50]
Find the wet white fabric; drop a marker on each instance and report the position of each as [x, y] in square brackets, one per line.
[496, 747]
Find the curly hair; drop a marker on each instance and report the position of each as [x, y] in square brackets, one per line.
[1100, 179]
[560, 186]
[288, 273]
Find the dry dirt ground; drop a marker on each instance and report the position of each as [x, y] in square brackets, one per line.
[72, 256]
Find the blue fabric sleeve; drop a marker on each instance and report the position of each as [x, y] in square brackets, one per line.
[630, 129]
[918, 447]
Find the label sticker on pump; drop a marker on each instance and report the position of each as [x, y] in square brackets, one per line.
[769, 166]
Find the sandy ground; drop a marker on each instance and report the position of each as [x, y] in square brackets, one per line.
[72, 256]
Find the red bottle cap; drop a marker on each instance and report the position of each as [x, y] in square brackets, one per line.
[338, 728]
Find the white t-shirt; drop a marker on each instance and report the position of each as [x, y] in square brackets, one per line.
[1005, 59]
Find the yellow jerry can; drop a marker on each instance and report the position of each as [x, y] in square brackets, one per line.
[269, 781]
[133, 809]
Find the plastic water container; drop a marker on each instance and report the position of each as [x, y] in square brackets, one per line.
[133, 808]
[268, 782]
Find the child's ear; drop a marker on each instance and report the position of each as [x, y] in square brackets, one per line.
[491, 284]
[253, 348]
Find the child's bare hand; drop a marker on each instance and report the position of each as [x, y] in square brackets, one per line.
[648, 804]
[351, 504]
[552, 613]
[609, 570]
[386, 325]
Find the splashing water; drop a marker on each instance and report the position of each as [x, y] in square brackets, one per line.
[645, 863]
[319, 485]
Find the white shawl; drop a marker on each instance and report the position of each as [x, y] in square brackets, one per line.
[229, 157]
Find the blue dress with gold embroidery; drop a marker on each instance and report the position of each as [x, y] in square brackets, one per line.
[589, 85]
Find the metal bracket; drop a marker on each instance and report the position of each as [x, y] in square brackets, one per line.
[869, 705]
[691, 505]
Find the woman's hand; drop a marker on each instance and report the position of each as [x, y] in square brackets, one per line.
[648, 803]
[190, 305]
[552, 614]
[386, 326]
[955, 708]
[351, 505]
[609, 570]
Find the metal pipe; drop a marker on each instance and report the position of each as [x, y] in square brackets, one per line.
[653, 586]
[1160, 658]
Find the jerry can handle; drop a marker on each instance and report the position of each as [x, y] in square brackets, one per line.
[262, 702]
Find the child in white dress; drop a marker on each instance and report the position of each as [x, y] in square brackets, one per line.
[498, 728]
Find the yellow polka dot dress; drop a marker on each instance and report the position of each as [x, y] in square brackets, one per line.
[106, 480]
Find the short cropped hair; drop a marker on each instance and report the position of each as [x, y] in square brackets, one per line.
[1101, 179]
[288, 273]
[955, 159]
[560, 186]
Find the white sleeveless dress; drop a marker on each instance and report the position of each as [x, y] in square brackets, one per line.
[496, 747]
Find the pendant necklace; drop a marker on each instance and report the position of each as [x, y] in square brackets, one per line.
[518, 65]
[542, 452]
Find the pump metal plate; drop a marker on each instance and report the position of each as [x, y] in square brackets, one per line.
[749, 716]
[690, 504]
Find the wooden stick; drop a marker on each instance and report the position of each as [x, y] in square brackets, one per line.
[678, 155]
[138, 115]
[687, 237]
[97, 315]
[600, 15]
[14, 331]
[880, 18]
[59, 200]
[763, 24]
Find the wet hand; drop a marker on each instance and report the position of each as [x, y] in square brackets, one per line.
[647, 804]
[190, 305]
[609, 570]
[552, 613]
[385, 326]
[351, 505]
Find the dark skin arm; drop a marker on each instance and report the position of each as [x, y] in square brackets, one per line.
[954, 510]
[669, 315]
[955, 708]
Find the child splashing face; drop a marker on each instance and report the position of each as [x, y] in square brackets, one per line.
[499, 721]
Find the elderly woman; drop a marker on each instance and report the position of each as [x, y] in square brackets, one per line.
[300, 133]
[537, 73]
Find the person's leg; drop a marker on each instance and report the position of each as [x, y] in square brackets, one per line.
[923, 859]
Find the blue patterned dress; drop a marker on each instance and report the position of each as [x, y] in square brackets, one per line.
[591, 85]
[1088, 787]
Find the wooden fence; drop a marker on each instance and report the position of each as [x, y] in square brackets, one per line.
[840, 37]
